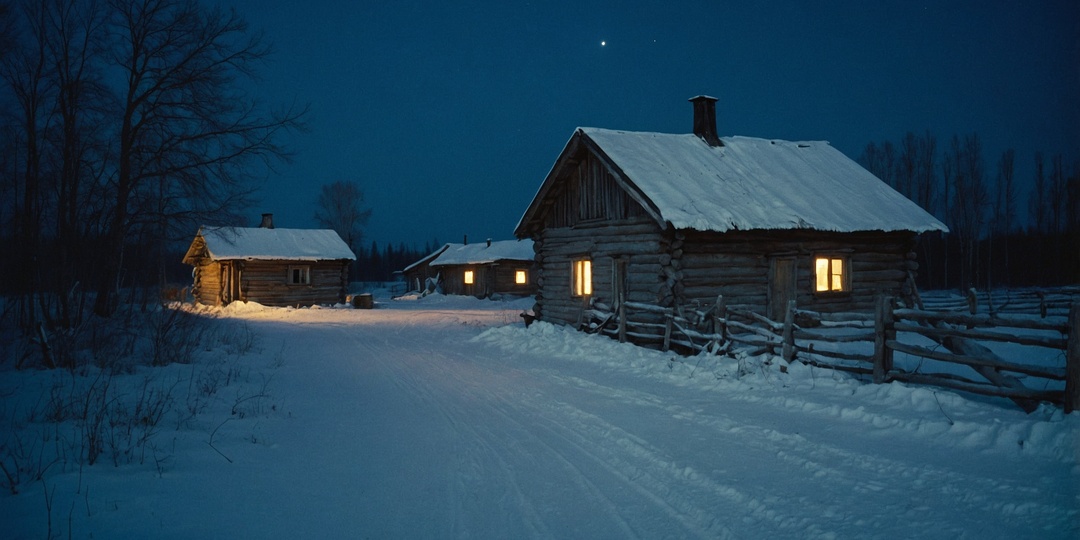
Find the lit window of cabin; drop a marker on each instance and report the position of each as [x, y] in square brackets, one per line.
[520, 277]
[469, 277]
[830, 274]
[581, 277]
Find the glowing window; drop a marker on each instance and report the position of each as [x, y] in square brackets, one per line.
[581, 277]
[520, 277]
[829, 274]
[468, 277]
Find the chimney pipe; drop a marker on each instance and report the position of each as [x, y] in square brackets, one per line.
[705, 119]
[267, 221]
[489, 242]
[465, 239]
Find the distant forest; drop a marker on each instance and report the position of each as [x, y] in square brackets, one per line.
[379, 264]
[1014, 223]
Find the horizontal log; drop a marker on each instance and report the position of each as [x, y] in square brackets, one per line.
[879, 275]
[839, 367]
[839, 317]
[1038, 341]
[842, 338]
[835, 354]
[979, 320]
[916, 350]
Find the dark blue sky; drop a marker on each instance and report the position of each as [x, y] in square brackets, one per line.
[450, 114]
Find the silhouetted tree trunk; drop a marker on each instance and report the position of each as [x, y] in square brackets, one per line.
[1004, 209]
[23, 70]
[970, 202]
[76, 31]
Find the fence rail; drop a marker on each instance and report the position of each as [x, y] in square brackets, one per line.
[959, 329]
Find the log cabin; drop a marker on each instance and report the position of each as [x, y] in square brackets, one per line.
[274, 267]
[482, 270]
[420, 276]
[678, 220]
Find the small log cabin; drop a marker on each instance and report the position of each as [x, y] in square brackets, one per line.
[274, 267]
[420, 273]
[676, 220]
[481, 270]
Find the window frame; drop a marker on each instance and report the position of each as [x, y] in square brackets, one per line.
[521, 277]
[843, 277]
[305, 275]
[581, 277]
[469, 277]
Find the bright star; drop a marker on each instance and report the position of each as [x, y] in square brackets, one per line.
[603, 43]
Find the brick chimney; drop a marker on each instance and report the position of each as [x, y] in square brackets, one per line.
[705, 119]
[267, 221]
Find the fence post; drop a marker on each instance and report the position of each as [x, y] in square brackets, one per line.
[622, 321]
[1072, 361]
[720, 318]
[880, 368]
[788, 351]
[669, 321]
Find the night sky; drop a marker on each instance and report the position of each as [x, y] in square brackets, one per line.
[450, 114]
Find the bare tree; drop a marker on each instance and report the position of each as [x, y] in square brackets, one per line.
[341, 207]
[925, 177]
[907, 166]
[1038, 201]
[76, 38]
[970, 201]
[184, 128]
[881, 161]
[1058, 196]
[23, 70]
[1004, 213]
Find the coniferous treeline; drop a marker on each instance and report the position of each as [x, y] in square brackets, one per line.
[375, 264]
[1013, 223]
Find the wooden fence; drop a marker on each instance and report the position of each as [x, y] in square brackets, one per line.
[957, 332]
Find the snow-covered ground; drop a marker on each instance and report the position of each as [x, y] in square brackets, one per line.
[446, 418]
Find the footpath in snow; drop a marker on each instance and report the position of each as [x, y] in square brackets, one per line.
[447, 418]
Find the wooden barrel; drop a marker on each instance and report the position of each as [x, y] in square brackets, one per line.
[363, 301]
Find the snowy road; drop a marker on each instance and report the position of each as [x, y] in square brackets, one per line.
[422, 421]
[418, 432]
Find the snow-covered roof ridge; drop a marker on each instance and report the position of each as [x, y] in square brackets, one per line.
[257, 243]
[751, 183]
[482, 253]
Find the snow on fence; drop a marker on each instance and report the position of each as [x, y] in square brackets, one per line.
[867, 344]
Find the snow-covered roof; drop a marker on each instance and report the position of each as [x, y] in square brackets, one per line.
[224, 243]
[427, 257]
[482, 253]
[751, 183]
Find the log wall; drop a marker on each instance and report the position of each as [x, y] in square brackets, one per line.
[266, 282]
[488, 279]
[691, 268]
